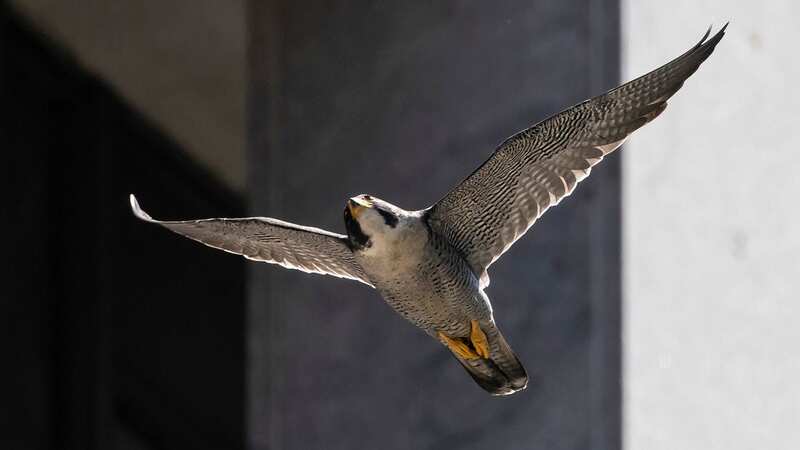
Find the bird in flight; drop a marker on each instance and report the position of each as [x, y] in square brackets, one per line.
[431, 265]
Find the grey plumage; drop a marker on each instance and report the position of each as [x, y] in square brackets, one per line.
[431, 265]
[536, 168]
[270, 240]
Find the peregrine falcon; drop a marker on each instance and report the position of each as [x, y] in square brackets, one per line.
[430, 265]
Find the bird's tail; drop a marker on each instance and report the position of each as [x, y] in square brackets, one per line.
[500, 374]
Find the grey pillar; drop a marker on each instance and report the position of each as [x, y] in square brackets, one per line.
[402, 100]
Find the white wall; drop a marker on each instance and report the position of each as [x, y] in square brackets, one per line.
[712, 233]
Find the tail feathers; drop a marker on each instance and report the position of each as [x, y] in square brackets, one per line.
[502, 373]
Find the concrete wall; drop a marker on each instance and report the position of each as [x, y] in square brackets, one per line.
[711, 248]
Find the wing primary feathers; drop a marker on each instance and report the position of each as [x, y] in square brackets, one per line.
[137, 210]
[269, 240]
[537, 167]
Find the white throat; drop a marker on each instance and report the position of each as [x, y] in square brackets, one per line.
[394, 247]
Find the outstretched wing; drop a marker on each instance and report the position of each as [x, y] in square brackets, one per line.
[273, 241]
[536, 168]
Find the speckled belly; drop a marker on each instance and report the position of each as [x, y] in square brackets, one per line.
[437, 296]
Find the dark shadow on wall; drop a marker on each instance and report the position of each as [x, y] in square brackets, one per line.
[115, 334]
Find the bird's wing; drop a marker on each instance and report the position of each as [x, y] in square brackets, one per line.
[536, 168]
[270, 240]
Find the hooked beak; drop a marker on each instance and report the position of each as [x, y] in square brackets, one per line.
[356, 206]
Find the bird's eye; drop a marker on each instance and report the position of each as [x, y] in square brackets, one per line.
[367, 197]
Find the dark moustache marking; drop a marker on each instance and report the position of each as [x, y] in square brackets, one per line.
[356, 238]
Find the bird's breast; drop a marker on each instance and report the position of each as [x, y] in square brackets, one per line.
[432, 287]
[400, 252]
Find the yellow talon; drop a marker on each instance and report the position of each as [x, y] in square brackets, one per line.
[458, 347]
[478, 338]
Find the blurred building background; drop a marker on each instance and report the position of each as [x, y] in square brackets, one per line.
[656, 307]
[106, 342]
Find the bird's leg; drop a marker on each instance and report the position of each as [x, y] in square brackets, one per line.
[479, 342]
[458, 346]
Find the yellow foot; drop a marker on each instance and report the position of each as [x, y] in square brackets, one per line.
[478, 338]
[458, 346]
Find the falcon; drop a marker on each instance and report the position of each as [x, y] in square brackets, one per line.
[430, 265]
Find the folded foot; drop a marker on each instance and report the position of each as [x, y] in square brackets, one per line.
[476, 347]
[479, 342]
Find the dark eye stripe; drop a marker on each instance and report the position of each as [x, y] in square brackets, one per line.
[357, 239]
[388, 217]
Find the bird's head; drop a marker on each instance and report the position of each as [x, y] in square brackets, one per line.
[369, 220]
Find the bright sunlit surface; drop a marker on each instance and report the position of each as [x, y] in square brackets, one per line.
[711, 242]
